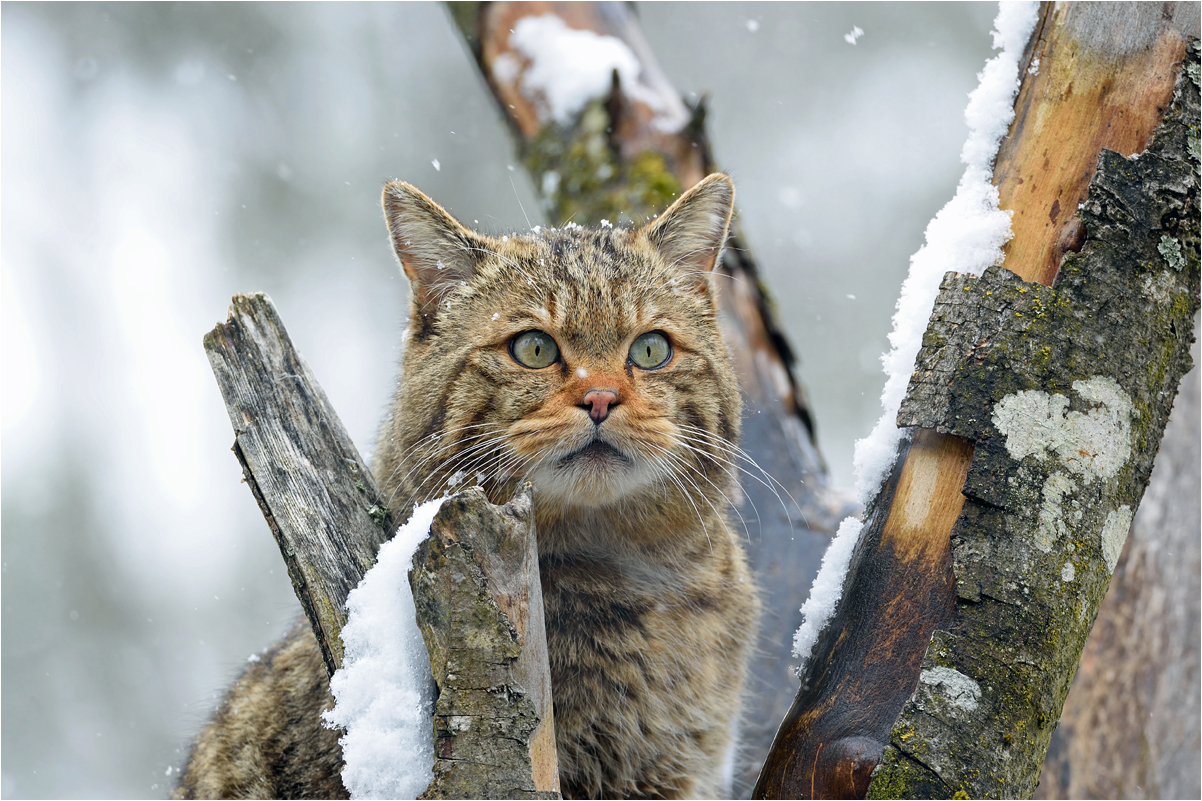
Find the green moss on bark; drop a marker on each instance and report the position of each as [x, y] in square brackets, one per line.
[583, 179]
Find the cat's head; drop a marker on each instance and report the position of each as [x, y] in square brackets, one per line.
[588, 362]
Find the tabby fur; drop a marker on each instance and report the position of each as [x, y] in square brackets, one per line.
[650, 609]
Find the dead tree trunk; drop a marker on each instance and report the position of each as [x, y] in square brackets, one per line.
[317, 495]
[1003, 521]
[475, 581]
[625, 156]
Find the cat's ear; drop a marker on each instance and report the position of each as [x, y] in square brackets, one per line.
[435, 251]
[691, 233]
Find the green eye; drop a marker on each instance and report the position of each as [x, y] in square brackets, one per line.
[650, 350]
[534, 349]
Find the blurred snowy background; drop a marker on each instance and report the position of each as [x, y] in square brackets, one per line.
[159, 158]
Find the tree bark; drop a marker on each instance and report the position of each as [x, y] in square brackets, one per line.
[1048, 510]
[317, 495]
[480, 609]
[626, 156]
[1130, 727]
[991, 683]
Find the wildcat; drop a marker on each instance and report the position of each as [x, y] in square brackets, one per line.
[588, 362]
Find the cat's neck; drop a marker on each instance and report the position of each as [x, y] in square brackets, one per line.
[664, 528]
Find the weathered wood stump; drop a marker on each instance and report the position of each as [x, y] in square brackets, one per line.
[480, 609]
[317, 495]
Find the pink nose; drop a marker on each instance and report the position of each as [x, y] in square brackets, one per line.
[599, 402]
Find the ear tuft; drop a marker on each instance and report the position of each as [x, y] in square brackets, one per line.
[435, 251]
[691, 233]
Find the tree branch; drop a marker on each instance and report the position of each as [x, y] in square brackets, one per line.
[480, 608]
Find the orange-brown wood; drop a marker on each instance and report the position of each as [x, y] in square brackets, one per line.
[904, 590]
[1083, 91]
[928, 498]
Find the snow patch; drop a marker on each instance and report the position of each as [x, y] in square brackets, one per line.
[962, 691]
[827, 588]
[568, 68]
[383, 693]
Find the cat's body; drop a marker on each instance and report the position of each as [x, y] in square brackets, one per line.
[590, 363]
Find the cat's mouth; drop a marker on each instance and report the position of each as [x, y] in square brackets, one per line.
[596, 452]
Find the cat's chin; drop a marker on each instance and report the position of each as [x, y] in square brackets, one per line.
[595, 475]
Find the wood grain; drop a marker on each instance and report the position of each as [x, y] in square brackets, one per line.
[1103, 73]
[901, 589]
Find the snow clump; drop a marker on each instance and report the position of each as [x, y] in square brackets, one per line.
[827, 588]
[568, 68]
[966, 236]
[384, 692]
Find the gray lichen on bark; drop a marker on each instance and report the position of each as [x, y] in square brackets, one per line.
[1066, 391]
[489, 737]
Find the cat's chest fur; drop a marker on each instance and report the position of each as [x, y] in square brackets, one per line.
[647, 664]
